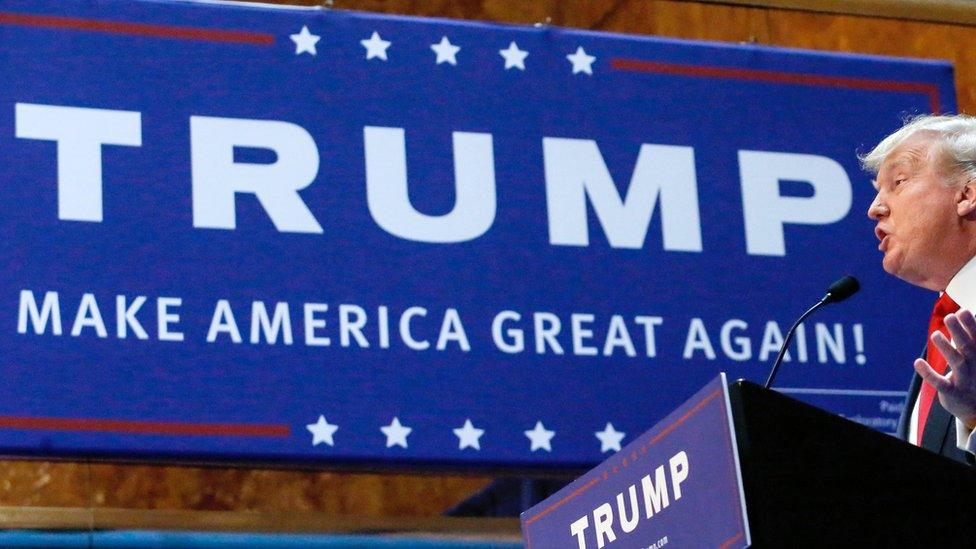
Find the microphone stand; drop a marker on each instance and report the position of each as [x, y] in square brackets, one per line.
[789, 337]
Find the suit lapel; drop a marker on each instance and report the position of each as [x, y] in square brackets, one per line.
[936, 427]
[904, 421]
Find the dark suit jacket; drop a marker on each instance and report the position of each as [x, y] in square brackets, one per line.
[940, 427]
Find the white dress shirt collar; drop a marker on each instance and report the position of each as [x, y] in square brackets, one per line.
[962, 287]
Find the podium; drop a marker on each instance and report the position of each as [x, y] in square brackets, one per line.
[738, 465]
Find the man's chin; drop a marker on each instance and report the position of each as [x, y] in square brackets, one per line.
[895, 268]
[889, 265]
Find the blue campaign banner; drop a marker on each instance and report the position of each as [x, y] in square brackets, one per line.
[657, 489]
[307, 236]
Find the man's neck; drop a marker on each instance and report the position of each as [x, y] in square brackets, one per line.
[962, 286]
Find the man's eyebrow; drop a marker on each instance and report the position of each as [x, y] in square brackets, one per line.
[910, 157]
[901, 162]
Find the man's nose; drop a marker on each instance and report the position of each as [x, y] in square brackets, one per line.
[877, 209]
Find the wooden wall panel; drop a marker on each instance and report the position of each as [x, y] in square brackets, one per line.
[145, 487]
[689, 20]
[567, 13]
[943, 11]
[103, 485]
[845, 33]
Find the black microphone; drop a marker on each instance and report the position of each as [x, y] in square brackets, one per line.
[837, 292]
[842, 289]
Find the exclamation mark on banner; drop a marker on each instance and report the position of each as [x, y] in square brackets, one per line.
[859, 344]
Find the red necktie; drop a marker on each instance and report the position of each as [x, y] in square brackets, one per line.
[945, 305]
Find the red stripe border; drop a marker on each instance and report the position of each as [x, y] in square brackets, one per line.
[687, 415]
[137, 29]
[563, 501]
[145, 427]
[931, 91]
[728, 543]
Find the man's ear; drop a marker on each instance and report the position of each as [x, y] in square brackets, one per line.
[966, 200]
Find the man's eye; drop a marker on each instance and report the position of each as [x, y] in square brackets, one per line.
[899, 181]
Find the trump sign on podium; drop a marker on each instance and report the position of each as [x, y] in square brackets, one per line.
[306, 236]
[688, 462]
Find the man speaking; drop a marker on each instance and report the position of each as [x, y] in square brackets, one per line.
[925, 211]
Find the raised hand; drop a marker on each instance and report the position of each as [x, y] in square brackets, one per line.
[957, 389]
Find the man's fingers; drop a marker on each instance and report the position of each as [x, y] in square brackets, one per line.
[961, 337]
[953, 357]
[968, 322]
[930, 376]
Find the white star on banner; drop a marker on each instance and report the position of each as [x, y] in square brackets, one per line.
[468, 436]
[610, 438]
[446, 52]
[514, 57]
[375, 46]
[305, 41]
[581, 61]
[322, 431]
[540, 438]
[396, 433]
